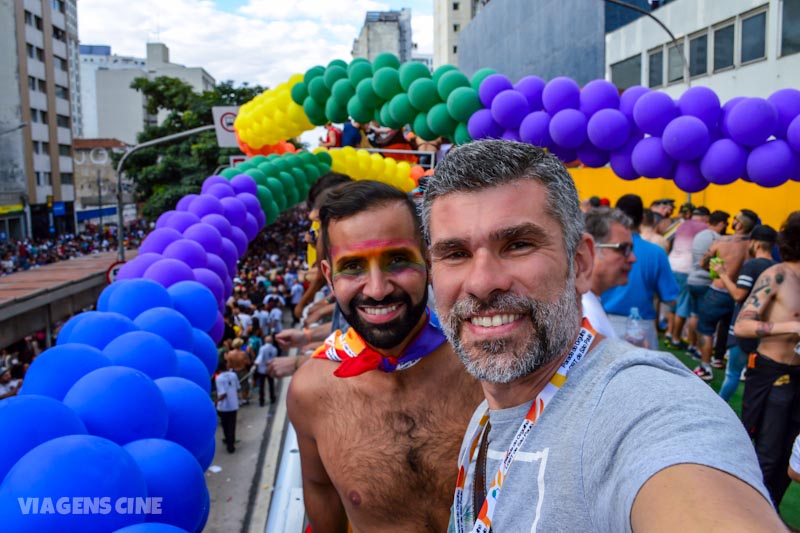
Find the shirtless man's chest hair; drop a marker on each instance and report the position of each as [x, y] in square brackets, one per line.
[388, 443]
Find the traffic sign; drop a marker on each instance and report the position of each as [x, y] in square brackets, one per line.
[224, 117]
[113, 270]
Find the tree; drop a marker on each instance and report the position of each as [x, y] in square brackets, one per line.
[167, 172]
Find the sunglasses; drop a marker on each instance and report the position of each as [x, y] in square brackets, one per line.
[625, 248]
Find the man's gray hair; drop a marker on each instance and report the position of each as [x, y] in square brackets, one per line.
[598, 222]
[490, 163]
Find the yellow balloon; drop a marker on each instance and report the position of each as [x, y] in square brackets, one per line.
[403, 169]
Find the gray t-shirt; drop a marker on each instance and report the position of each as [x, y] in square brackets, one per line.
[623, 415]
[700, 245]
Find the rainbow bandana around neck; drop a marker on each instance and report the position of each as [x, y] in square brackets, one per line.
[356, 357]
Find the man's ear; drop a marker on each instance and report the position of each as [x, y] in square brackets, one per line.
[584, 264]
[326, 271]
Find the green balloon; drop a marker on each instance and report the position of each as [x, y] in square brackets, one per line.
[463, 103]
[314, 111]
[264, 197]
[338, 63]
[229, 172]
[292, 198]
[258, 159]
[412, 71]
[423, 95]
[313, 72]
[272, 157]
[386, 118]
[343, 91]
[359, 71]
[325, 159]
[360, 113]
[324, 169]
[276, 188]
[421, 128]
[306, 156]
[241, 167]
[312, 173]
[479, 76]
[291, 159]
[401, 110]
[386, 59]
[299, 177]
[449, 82]
[386, 83]
[334, 112]
[439, 72]
[333, 74]
[462, 136]
[273, 212]
[287, 180]
[440, 122]
[366, 94]
[318, 90]
[299, 93]
[256, 174]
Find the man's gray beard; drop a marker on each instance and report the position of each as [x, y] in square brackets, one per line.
[499, 361]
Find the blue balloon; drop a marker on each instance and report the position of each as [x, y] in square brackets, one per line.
[192, 368]
[650, 160]
[102, 300]
[174, 475]
[686, 138]
[192, 416]
[120, 404]
[66, 330]
[724, 162]
[57, 369]
[135, 269]
[196, 302]
[135, 296]
[168, 323]
[206, 511]
[205, 349]
[206, 457]
[99, 329]
[144, 351]
[152, 527]
[88, 471]
[30, 420]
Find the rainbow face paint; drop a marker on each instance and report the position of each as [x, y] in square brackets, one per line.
[391, 257]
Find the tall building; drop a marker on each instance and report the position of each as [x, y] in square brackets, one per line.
[385, 31]
[449, 18]
[96, 183]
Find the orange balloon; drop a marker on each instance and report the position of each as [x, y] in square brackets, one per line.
[416, 173]
[428, 172]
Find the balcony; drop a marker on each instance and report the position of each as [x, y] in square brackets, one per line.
[59, 21]
[64, 136]
[42, 192]
[38, 100]
[34, 6]
[60, 49]
[64, 163]
[36, 68]
[62, 107]
[41, 162]
[34, 37]
[67, 193]
[39, 132]
[61, 78]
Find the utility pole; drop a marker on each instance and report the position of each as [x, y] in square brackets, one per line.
[99, 202]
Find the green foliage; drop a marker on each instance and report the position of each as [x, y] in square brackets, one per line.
[167, 172]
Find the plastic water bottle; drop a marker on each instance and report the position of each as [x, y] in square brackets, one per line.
[634, 329]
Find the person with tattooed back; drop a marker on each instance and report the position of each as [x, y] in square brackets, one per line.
[771, 402]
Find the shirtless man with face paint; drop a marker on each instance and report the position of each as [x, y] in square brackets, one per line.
[379, 410]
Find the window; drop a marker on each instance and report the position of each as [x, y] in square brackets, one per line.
[44, 178]
[675, 63]
[655, 65]
[455, 6]
[61, 63]
[43, 114]
[65, 150]
[698, 55]
[31, 83]
[62, 92]
[62, 121]
[455, 49]
[36, 146]
[45, 146]
[28, 18]
[790, 27]
[627, 72]
[456, 27]
[58, 34]
[38, 22]
[40, 54]
[42, 86]
[66, 178]
[57, 5]
[723, 48]
[754, 37]
[31, 53]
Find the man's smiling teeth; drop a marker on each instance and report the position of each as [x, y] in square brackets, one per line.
[493, 321]
[380, 310]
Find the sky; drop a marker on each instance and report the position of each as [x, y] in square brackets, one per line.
[255, 41]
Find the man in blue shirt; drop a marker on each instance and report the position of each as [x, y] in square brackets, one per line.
[650, 275]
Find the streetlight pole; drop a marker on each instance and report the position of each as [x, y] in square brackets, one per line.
[153, 142]
[15, 128]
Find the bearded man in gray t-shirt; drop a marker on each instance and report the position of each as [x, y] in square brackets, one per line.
[578, 432]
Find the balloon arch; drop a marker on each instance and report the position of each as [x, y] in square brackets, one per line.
[118, 412]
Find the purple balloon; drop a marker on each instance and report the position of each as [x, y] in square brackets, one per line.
[211, 280]
[509, 108]
[653, 111]
[159, 239]
[608, 129]
[629, 98]
[724, 162]
[243, 183]
[591, 156]
[561, 93]
[787, 103]
[511, 135]
[206, 235]
[239, 239]
[481, 125]
[135, 269]
[219, 222]
[688, 177]
[752, 121]
[597, 95]
[490, 87]
[221, 191]
[726, 110]
[212, 180]
[187, 251]
[180, 220]
[217, 265]
[250, 203]
[621, 163]
[531, 87]
[261, 219]
[206, 204]
[793, 134]
[566, 155]
[686, 138]
[535, 129]
[771, 164]
[650, 160]
[183, 203]
[250, 227]
[168, 271]
[703, 103]
[161, 221]
[218, 329]
[229, 255]
[568, 128]
[234, 211]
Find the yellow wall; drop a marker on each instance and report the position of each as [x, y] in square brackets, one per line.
[772, 205]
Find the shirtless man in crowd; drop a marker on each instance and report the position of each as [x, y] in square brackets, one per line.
[771, 401]
[379, 410]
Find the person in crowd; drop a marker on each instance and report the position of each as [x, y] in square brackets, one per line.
[332, 138]
[649, 231]
[8, 386]
[771, 401]
[267, 352]
[227, 404]
[236, 359]
[407, 398]
[244, 321]
[614, 255]
[794, 461]
[618, 436]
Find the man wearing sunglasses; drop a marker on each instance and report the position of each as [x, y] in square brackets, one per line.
[610, 229]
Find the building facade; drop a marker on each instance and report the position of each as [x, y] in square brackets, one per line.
[449, 18]
[385, 31]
